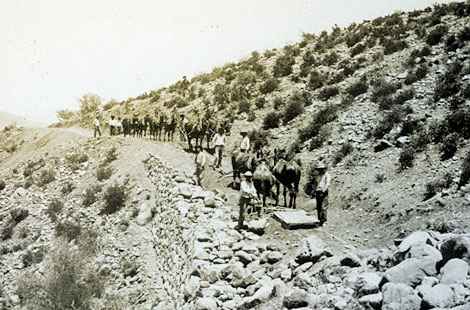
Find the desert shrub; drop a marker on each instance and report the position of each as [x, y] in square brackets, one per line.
[30, 258]
[382, 89]
[330, 59]
[278, 102]
[70, 230]
[458, 121]
[293, 109]
[421, 71]
[283, 65]
[328, 92]
[54, 207]
[379, 177]
[466, 90]
[409, 126]
[32, 166]
[449, 146]
[447, 83]
[75, 158]
[465, 174]
[269, 86]
[67, 283]
[67, 188]
[344, 151]
[271, 120]
[114, 198]
[392, 46]
[258, 138]
[318, 140]
[316, 80]
[403, 95]
[251, 116]
[410, 78]
[435, 36]
[28, 182]
[357, 49]
[111, 155]
[433, 187]
[2, 185]
[243, 106]
[358, 88]
[89, 196]
[46, 177]
[452, 44]
[407, 156]
[389, 120]
[464, 34]
[269, 53]
[104, 173]
[322, 117]
[260, 102]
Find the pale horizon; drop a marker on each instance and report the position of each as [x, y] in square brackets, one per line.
[54, 51]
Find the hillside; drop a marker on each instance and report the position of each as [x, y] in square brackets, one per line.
[7, 119]
[118, 222]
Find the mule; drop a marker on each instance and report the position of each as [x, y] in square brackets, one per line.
[263, 180]
[241, 163]
[288, 174]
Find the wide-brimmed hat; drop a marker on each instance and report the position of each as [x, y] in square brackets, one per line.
[244, 132]
[248, 174]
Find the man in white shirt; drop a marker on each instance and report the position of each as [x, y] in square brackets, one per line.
[96, 125]
[219, 142]
[200, 164]
[245, 145]
[247, 193]
[321, 193]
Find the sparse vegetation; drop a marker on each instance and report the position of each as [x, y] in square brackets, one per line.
[114, 198]
[90, 195]
[67, 188]
[433, 187]
[54, 208]
[321, 118]
[407, 156]
[344, 151]
[271, 120]
[2, 185]
[46, 177]
[269, 86]
[104, 173]
[465, 175]
[328, 92]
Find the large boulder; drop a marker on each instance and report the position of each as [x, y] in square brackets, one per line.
[367, 283]
[397, 296]
[184, 190]
[263, 294]
[454, 271]
[372, 301]
[192, 287]
[296, 299]
[410, 272]
[206, 304]
[418, 237]
[145, 214]
[439, 295]
[311, 249]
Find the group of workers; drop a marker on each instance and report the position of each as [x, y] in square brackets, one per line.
[115, 126]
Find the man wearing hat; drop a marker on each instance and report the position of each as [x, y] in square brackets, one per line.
[245, 145]
[321, 193]
[200, 162]
[96, 125]
[247, 193]
[219, 142]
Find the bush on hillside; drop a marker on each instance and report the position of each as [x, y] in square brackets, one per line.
[111, 155]
[452, 44]
[328, 92]
[46, 177]
[344, 151]
[318, 140]
[358, 49]
[435, 36]
[465, 174]
[283, 65]
[421, 72]
[433, 187]
[251, 116]
[271, 120]
[244, 106]
[114, 198]
[447, 83]
[449, 146]
[293, 109]
[269, 86]
[68, 229]
[330, 59]
[277, 103]
[68, 282]
[392, 46]
[54, 208]
[89, 196]
[258, 139]
[67, 187]
[104, 173]
[2, 185]
[358, 88]
[319, 119]
[381, 88]
[389, 121]
[407, 156]
[260, 102]
[316, 80]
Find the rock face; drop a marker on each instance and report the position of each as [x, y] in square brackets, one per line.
[400, 296]
[145, 214]
[439, 296]
[454, 271]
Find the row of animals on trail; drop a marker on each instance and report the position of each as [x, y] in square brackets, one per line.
[163, 128]
[271, 170]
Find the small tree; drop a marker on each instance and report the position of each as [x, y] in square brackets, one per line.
[65, 115]
[89, 103]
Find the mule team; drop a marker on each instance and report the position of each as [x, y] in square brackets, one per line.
[263, 171]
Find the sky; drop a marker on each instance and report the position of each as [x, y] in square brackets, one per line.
[54, 51]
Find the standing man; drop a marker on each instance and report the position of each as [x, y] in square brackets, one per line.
[219, 142]
[245, 145]
[321, 193]
[200, 164]
[183, 122]
[112, 126]
[119, 126]
[247, 193]
[96, 125]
